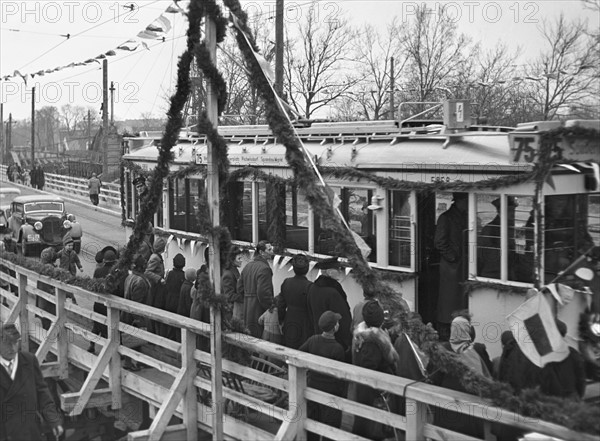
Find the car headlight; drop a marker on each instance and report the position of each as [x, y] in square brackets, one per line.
[38, 225]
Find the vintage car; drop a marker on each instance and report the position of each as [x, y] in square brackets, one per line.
[7, 194]
[36, 221]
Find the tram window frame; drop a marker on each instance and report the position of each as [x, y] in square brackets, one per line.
[296, 233]
[411, 200]
[324, 243]
[179, 190]
[578, 231]
[514, 260]
[129, 196]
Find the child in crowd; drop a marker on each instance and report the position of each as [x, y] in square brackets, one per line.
[270, 322]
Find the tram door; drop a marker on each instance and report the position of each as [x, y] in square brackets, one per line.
[428, 258]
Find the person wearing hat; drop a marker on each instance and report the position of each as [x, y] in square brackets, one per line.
[256, 286]
[76, 232]
[69, 260]
[293, 307]
[327, 294]
[325, 345]
[488, 243]
[155, 274]
[173, 282]
[450, 240]
[108, 261]
[372, 349]
[25, 397]
[229, 280]
[94, 186]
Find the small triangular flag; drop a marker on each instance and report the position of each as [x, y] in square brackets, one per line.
[284, 261]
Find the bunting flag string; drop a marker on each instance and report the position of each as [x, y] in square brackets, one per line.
[192, 247]
[157, 30]
[284, 262]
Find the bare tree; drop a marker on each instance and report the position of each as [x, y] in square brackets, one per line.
[437, 53]
[47, 120]
[565, 76]
[374, 53]
[317, 62]
[71, 117]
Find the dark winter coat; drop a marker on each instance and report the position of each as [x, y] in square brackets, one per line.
[372, 349]
[449, 240]
[516, 369]
[136, 289]
[172, 290]
[229, 281]
[155, 272]
[185, 300]
[292, 308]
[69, 261]
[326, 294]
[22, 399]
[565, 378]
[100, 308]
[256, 285]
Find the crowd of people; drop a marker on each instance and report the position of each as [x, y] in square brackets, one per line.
[34, 177]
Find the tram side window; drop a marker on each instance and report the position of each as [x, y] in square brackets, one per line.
[128, 196]
[296, 218]
[238, 208]
[566, 234]
[400, 229]
[184, 195]
[353, 206]
[271, 210]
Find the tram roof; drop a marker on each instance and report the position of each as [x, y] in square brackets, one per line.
[374, 145]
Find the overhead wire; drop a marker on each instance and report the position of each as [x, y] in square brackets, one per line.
[69, 36]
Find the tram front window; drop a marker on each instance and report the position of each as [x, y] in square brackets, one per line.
[296, 218]
[566, 234]
[400, 229]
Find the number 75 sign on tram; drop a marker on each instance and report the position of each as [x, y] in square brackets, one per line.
[525, 148]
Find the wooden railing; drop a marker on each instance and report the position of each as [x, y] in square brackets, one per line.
[77, 187]
[174, 387]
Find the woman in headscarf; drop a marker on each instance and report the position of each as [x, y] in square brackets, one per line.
[473, 356]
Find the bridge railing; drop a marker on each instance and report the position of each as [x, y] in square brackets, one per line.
[77, 187]
[175, 387]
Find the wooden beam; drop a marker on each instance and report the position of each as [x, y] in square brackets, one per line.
[416, 418]
[50, 370]
[62, 345]
[94, 376]
[297, 401]
[176, 432]
[176, 393]
[331, 432]
[21, 311]
[286, 431]
[190, 403]
[99, 398]
[114, 369]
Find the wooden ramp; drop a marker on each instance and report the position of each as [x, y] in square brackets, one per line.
[264, 393]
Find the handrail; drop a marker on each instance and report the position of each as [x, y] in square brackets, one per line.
[76, 187]
[186, 380]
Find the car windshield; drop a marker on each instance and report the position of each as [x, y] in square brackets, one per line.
[43, 206]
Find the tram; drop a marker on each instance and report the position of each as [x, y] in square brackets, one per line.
[394, 180]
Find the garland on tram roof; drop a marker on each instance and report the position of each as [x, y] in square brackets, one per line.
[548, 408]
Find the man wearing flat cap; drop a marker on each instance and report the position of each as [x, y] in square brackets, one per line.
[292, 305]
[94, 186]
[326, 294]
[450, 240]
[109, 259]
[256, 286]
[488, 243]
[24, 394]
[325, 345]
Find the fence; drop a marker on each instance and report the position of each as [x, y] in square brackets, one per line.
[174, 387]
[77, 187]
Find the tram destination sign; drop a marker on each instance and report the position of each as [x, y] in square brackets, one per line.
[525, 148]
[257, 159]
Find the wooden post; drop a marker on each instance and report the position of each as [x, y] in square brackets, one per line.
[297, 383]
[23, 313]
[212, 183]
[190, 400]
[279, 47]
[114, 366]
[392, 105]
[105, 119]
[32, 126]
[416, 417]
[62, 343]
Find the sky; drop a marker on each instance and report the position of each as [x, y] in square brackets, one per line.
[45, 35]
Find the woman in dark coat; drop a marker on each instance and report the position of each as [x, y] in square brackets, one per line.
[292, 305]
[449, 240]
[372, 349]
[185, 298]
[173, 283]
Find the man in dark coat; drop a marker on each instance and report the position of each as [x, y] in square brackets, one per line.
[23, 392]
[449, 240]
[326, 294]
[256, 285]
[292, 305]
[325, 345]
[38, 179]
[185, 299]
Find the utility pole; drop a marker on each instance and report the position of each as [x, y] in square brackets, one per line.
[32, 126]
[2, 146]
[89, 129]
[9, 135]
[112, 103]
[279, 48]
[105, 117]
[392, 107]
[212, 187]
